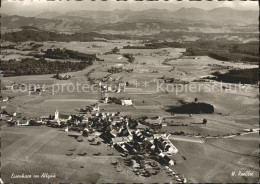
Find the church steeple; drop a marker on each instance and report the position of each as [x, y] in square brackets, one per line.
[56, 114]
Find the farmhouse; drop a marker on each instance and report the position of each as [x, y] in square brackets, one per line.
[165, 159]
[5, 99]
[141, 126]
[22, 122]
[91, 108]
[126, 102]
[120, 140]
[116, 68]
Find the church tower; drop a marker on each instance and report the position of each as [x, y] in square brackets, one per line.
[56, 114]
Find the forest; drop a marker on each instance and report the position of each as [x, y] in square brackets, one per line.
[244, 76]
[31, 66]
[68, 54]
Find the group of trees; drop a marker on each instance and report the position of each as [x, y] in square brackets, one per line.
[130, 57]
[156, 45]
[31, 66]
[250, 48]
[115, 50]
[69, 54]
[193, 108]
[224, 50]
[226, 56]
[218, 49]
[244, 76]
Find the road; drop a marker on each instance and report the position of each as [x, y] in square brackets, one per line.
[185, 138]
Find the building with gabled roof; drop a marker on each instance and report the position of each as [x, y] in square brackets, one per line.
[126, 102]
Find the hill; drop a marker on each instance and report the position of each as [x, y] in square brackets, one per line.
[127, 20]
[29, 33]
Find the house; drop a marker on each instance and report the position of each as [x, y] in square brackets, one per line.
[44, 119]
[85, 120]
[141, 126]
[156, 120]
[21, 122]
[106, 136]
[66, 129]
[166, 159]
[106, 100]
[138, 136]
[129, 148]
[96, 107]
[120, 140]
[5, 99]
[168, 146]
[154, 123]
[114, 133]
[120, 148]
[91, 108]
[40, 121]
[109, 88]
[3, 107]
[126, 102]
[157, 136]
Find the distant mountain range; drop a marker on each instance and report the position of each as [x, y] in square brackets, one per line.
[149, 21]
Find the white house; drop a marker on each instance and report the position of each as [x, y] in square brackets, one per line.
[22, 122]
[96, 108]
[126, 102]
[5, 99]
[66, 129]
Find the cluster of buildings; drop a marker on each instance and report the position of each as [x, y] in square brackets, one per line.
[118, 68]
[62, 76]
[127, 135]
[124, 102]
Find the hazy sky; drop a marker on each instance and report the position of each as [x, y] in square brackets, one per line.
[33, 7]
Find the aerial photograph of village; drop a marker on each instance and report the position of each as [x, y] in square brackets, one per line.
[129, 92]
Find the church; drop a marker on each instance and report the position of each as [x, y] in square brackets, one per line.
[61, 117]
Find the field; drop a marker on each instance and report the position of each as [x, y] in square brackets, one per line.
[42, 149]
[218, 158]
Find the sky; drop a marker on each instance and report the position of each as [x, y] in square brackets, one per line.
[34, 7]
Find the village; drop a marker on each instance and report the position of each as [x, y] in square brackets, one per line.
[139, 140]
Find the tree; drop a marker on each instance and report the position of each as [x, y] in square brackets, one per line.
[131, 162]
[85, 133]
[115, 50]
[4, 112]
[131, 59]
[142, 163]
[196, 100]
[32, 122]
[204, 122]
